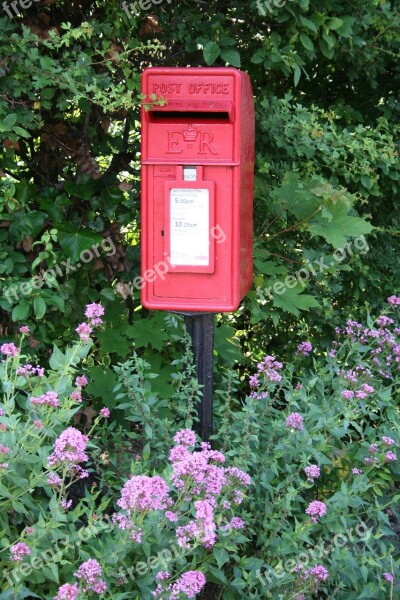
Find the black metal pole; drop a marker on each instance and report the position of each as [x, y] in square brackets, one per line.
[201, 329]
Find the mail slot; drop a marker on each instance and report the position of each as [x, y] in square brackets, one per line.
[197, 159]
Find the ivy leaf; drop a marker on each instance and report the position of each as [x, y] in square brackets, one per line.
[211, 52]
[74, 243]
[231, 56]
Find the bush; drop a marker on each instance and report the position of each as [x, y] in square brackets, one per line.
[135, 508]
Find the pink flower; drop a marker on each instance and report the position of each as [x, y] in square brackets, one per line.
[3, 427]
[319, 573]
[389, 577]
[234, 523]
[373, 448]
[312, 472]
[65, 504]
[190, 583]
[90, 574]
[77, 396]
[67, 591]
[18, 551]
[9, 349]
[24, 330]
[305, 348]
[390, 456]
[29, 530]
[54, 480]
[316, 509]
[3, 465]
[48, 399]
[69, 447]
[4, 449]
[394, 300]
[162, 575]
[294, 421]
[348, 394]
[93, 312]
[171, 516]
[81, 381]
[105, 412]
[84, 330]
[388, 441]
[185, 437]
[143, 493]
[356, 471]
[2, 413]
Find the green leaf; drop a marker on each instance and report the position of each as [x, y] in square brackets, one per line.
[10, 120]
[306, 41]
[292, 300]
[211, 52]
[58, 359]
[297, 74]
[102, 384]
[309, 24]
[366, 181]
[113, 343]
[74, 243]
[147, 332]
[335, 23]
[340, 226]
[231, 56]
[221, 556]
[39, 307]
[21, 311]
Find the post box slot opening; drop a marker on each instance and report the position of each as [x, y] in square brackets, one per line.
[176, 116]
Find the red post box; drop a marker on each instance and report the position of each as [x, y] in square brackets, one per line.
[197, 189]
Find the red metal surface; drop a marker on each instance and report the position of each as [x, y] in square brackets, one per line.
[197, 229]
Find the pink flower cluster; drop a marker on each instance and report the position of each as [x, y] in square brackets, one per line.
[48, 399]
[294, 421]
[4, 449]
[67, 591]
[90, 575]
[394, 300]
[24, 329]
[305, 348]
[316, 509]
[29, 370]
[9, 349]
[81, 381]
[189, 584]
[18, 551]
[93, 312]
[144, 493]
[69, 448]
[90, 579]
[312, 472]
[269, 367]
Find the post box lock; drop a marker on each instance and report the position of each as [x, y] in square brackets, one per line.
[197, 188]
